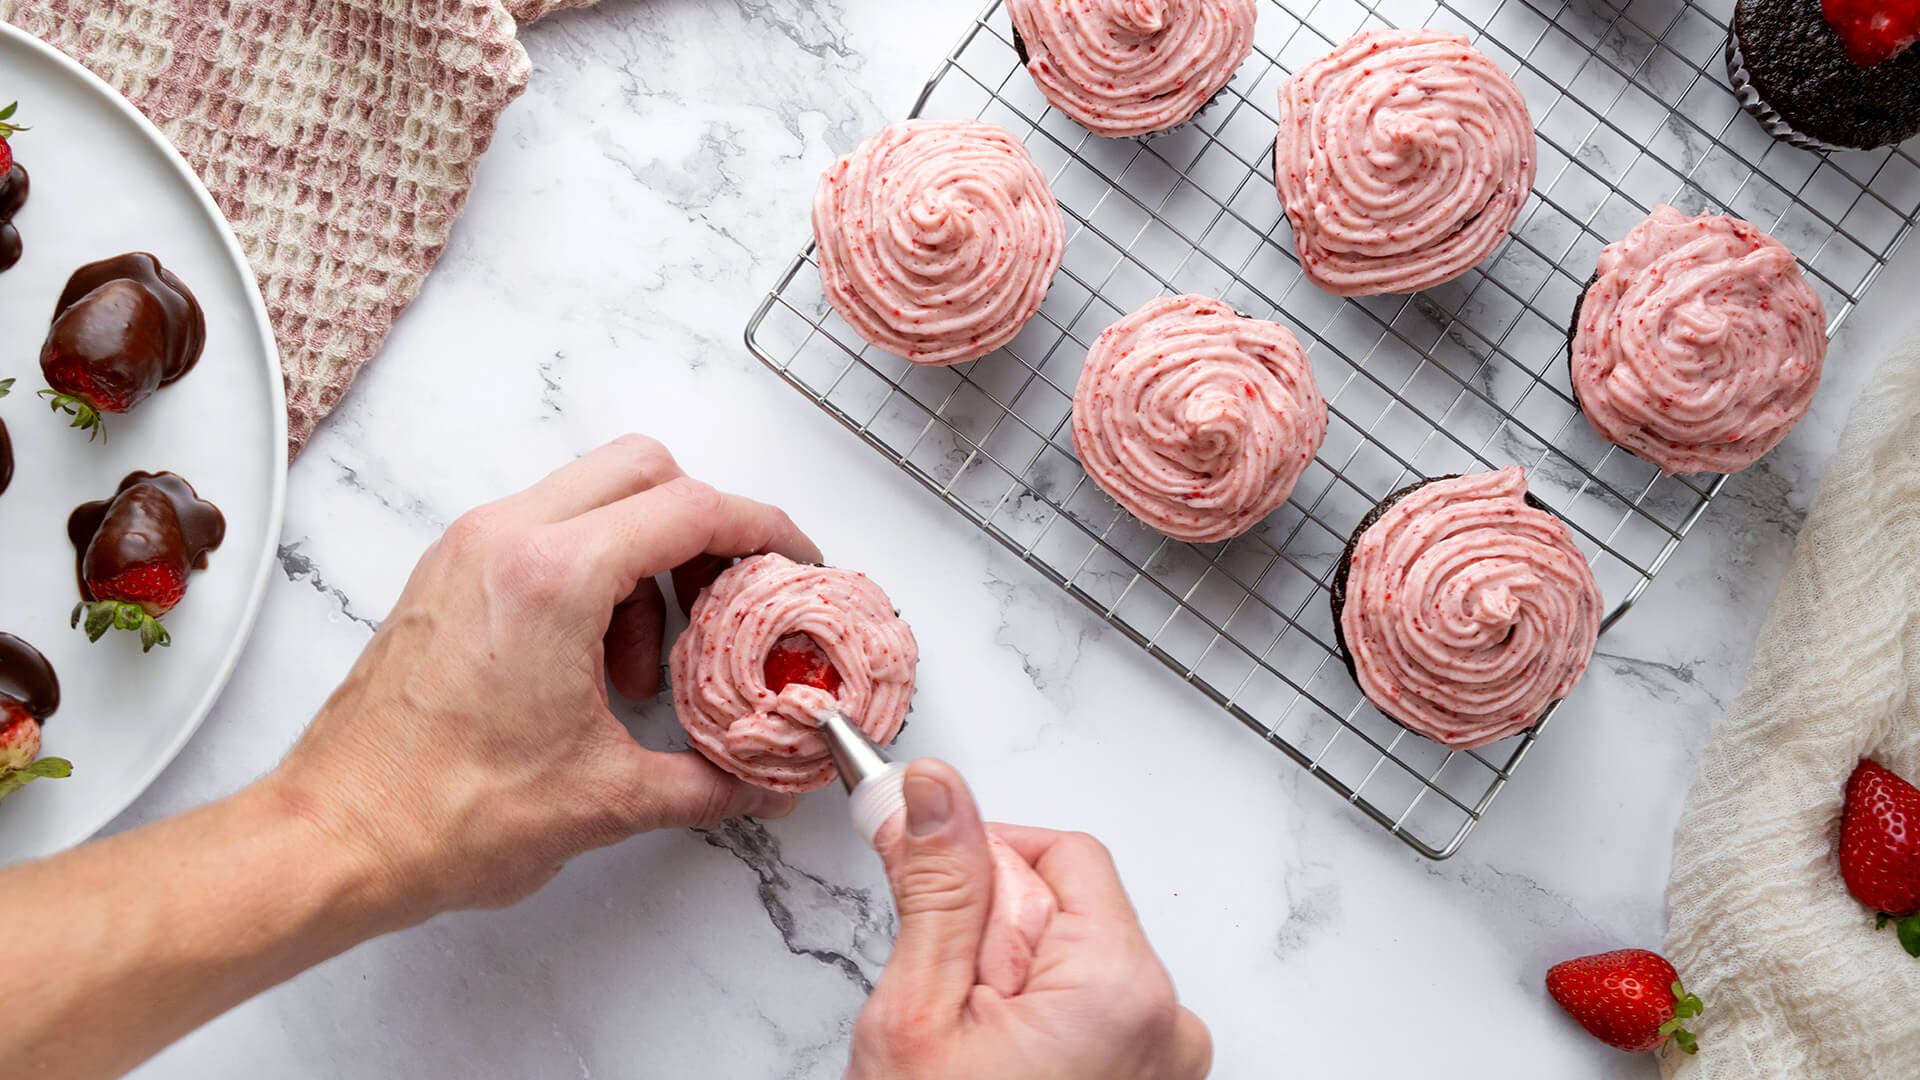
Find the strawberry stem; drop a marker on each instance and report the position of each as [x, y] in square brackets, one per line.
[104, 615]
[85, 416]
[6, 115]
[47, 768]
[1685, 1007]
[1908, 931]
[5, 385]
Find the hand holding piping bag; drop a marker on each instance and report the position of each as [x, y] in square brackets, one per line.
[1018, 952]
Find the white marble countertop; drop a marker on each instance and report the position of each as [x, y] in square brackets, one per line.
[638, 201]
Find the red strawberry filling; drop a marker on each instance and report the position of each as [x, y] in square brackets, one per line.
[1874, 31]
[798, 658]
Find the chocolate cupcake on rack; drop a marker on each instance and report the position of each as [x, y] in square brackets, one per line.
[937, 240]
[1403, 159]
[1464, 609]
[1828, 74]
[1698, 344]
[1195, 419]
[1121, 68]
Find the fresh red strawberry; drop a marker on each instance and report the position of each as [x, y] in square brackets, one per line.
[797, 658]
[7, 131]
[1880, 848]
[1874, 31]
[1629, 998]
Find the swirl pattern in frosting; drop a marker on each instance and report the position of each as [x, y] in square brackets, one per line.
[718, 667]
[1698, 344]
[1132, 67]
[1403, 159]
[1196, 420]
[1465, 610]
[937, 239]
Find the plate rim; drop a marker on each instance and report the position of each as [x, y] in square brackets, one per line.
[276, 389]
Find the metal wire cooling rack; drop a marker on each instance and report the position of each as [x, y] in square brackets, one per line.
[1631, 108]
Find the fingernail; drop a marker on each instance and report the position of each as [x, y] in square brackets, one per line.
[929, 805]
[771, 805]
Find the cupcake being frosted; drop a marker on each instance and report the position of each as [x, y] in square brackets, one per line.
[1464, 608]
[1198, 421]
[937, 239]
[1698, 344]
[772, 644]
[1132, 67]
[1403, 159]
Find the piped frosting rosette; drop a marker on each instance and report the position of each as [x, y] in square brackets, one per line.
[1196, 420]
[718, 667]
[937, 239]
[1403, 159]
[1465, 610]
[1131, 67]
[1699, 343]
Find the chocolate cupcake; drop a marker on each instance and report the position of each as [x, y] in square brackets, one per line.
[1832, 75]
[1463, 608]
[1122, 68]
[1697, 344]
[1403, 159]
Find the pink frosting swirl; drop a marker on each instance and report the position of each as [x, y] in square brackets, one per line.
[1699, 343]
[1468, 610]
[1195, 419]
[719, 668]
[1130, 67]
[1403, 158]
[937, 239]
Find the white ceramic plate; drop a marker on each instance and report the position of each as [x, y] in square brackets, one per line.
[104, 182]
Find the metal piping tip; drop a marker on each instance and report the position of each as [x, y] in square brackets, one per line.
[853, 753]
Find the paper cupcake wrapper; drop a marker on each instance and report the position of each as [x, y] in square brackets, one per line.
[1757, 106]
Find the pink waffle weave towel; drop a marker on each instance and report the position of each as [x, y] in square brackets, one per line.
[339, 137]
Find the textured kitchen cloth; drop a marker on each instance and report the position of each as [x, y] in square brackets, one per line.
[339, 137]
[1797, 982]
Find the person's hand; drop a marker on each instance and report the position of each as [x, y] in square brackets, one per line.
[471, 751]
[1097, 1002]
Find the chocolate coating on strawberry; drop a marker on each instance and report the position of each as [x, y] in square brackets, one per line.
[13, 195]
[135, 551]
[26, 679]
[124, 328]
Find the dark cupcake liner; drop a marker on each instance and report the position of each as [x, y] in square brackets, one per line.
[1337, 598]
[1757, 107]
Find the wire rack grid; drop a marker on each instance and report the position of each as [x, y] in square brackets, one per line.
[1631, 108]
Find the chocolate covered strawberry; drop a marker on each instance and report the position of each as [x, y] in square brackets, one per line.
[1629, 998]
[1880, 848]
[124, 328]
[136, 551]
[29, 693]
[1874, 31]
[14, 184]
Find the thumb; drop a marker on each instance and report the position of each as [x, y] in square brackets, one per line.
[941, 870]
[685, 790]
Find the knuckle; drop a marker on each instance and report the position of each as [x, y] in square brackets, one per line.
[1088, 846]
[537, 568]
[934, 883]
[647, 455]
[698, 496]
[471, 530]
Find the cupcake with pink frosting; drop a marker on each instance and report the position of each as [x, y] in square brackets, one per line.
[1196, 420]
[1464, 609]
[937, 239]
[1698, 344]
[1132, 67]
[773, 644]
[1403, 159]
